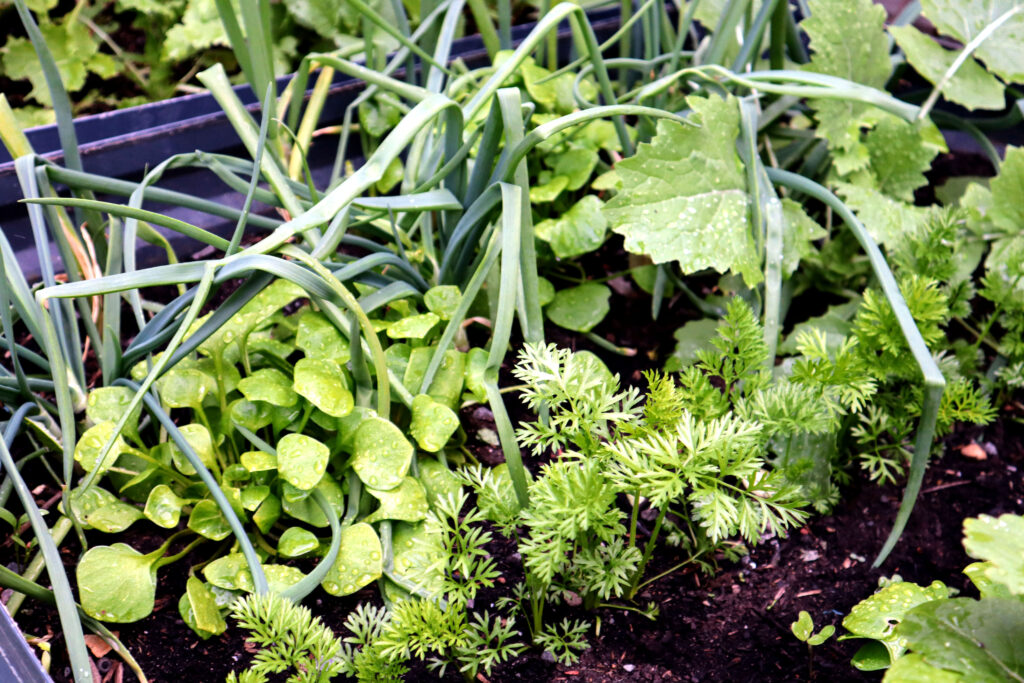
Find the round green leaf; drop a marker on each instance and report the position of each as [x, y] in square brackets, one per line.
[203, 605]
[253, 496]
[306, 510]
[163, 507]
[271, 347]
[186, 388]
[476, 368]
[443, 300]
[414, 326]
[301, 460]
[579, 230]
[280, 577]
[437, 479]
[268, 513]
[407, 502]
[296, 542]
[198, 437]
[206, 520]
[258, 461]
[88, 448]
[253, 415]
[359, 561]
[189, 617]
[319, 338]
[229, 572]
[875, 617]
[580, 308]
[417, 553]
[108, 404]
[323, 383]
[269, 385]
[116, 583]
[381, 454]
[102, 510]
[432, 423]
[447, 384]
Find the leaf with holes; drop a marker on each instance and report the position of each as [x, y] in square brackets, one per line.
[102, 510]
[877, 616]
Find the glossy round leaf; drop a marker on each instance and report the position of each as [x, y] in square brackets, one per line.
[198, 437]
[359, 561]
[89, 447]
[253, 496]
[206, 520]
[269, 385]
[258, 461]
[103, 511]
[381, 454]
[319, 338]
[413, 326]
[476, 367]
[580, 308]
[229, 572]
[270, 347]
[301, 460]
[253, 415]
[447, 384]
[108, 404]
[306, 509]
[267, 513]
[189, 617]
[545, 291]
[443, 300]
[186, 388]
[438, 480]
[296, 542]
[280, 577]
[417, 553]
[116, 583]
[406, 502]
[432, 423]
[323, 383]
[163, 507]
[203, 605]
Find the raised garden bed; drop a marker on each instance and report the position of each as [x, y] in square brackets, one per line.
[773, 299]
